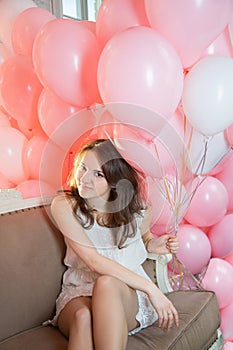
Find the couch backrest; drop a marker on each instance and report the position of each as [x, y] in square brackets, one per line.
[31, 267]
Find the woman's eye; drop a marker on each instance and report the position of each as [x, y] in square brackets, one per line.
[99, 174]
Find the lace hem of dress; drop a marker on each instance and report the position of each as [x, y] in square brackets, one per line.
[146, 315]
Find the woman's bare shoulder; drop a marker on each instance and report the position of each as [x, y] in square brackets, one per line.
[60, 202]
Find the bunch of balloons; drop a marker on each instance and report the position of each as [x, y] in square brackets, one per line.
[156, 78]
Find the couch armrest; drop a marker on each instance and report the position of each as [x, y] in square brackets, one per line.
[161, 262]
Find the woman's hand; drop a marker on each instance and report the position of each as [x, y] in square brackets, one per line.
[165, 244]
[167, 313]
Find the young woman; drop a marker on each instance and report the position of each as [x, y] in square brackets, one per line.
[106, 294]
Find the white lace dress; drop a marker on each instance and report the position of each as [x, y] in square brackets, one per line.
[78, 279]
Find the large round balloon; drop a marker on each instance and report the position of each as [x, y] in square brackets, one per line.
[225, 176]
[195, 249]
[140, 67]
[12, 148]
[65, 56]
[190, 25]
[207, 95]
[209, 202]
[25, 28]
[221, 238]
[52, 111]
[111, 19]
[20, 89]
[219, 278]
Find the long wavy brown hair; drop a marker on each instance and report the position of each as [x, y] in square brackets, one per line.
[125, 199]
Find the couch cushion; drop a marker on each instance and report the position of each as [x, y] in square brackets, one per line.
[31, 255]
[199, 320]
[40, 338]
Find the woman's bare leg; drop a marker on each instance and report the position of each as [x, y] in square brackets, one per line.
[114, 307]
[75, 322]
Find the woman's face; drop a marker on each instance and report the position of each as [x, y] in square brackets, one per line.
[90, 180]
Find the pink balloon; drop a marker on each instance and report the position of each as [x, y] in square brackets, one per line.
[222, 164]
[12, 147]
[225, 176]
[194, 251]
[20, 89]
[5, 183]
[142, 56]
[228, 346]
[9, 10]
[220, 46]
[178, 21]
[227, 322]
[229, 134]
[4, 53]
[25, 28]
[229, 258]
[111, 19]
[209, 203]
[33, 153]
[35, 188]
[219, 278]
[52, 111]
[73, 52]
[89, 25]
[221, 237]
[4, 120]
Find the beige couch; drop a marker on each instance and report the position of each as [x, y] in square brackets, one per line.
[31, 268]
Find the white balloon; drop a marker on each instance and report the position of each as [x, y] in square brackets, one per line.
[207, 95]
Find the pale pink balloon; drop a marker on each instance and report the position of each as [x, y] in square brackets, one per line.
[73, 52]
[4, 53]
[220, 46]
[170, 195]
[5, 183]
[229, 258]
[229, 134]
[228, 346]
[209, 203]
[142, 57]
[111, 19]
[35, 188]
[191, 26]
[226, 176]
[194, 248]
[4, 119]
[221, 237]
[20, 89]
[12, 148]
[33, 153]
[52, 111]
[222, 164]
[25, 28]
[227, 322]
[89, 25]
[9, 10]
[219, 278]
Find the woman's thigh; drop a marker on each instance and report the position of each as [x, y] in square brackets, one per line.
[67, 315]
[107, 286]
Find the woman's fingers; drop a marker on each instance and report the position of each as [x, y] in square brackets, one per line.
[168, 317]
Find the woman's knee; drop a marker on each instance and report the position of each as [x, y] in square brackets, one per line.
[105, 284]
[81, 318]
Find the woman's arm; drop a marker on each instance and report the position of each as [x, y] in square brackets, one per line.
[83, 247]
[165, 244]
